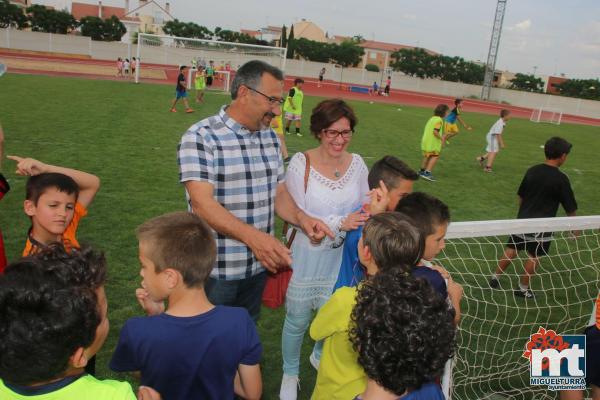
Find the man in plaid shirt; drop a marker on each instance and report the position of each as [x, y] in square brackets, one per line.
[232, 168]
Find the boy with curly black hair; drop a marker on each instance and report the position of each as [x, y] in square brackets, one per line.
[389, 242]
[413, 322]
[54, 320]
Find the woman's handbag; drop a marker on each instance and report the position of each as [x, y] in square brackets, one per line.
[277, 283]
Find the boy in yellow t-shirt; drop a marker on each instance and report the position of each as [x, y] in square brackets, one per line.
[277, 125]
[200, 84]
[389, 241]
[431, 143]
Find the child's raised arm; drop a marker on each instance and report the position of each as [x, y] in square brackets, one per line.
[88, 183]
[248, 382]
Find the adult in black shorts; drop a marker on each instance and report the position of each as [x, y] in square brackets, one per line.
[542, 189]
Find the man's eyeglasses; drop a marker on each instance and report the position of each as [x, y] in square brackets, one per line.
[272, 100]
[332, 133]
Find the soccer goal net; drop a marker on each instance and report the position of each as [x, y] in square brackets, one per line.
[553, 116]
[496, 324]
[167, 53]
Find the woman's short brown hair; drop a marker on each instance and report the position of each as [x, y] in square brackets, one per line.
[329, 111]
[182, 241]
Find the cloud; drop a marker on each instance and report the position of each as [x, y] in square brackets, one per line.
[411, 17]
[522, 26]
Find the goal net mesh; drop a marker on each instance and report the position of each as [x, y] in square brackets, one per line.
[496, 324]
[171, 51]
[552, 116]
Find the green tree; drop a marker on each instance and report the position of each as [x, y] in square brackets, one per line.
[43, 19]
[11, 16]
[312, 50]
[372, 67]
[580, 88]
[291, 44]
[113, 29]
[283, 40]
[187, 29]
[347, 54]
[92, 27]
[526, 82]
[414, 62]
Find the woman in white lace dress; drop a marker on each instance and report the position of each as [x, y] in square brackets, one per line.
[337, 185]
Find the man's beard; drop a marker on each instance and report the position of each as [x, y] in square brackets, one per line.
[265, 122]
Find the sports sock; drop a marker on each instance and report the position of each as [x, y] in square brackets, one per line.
[297, 130]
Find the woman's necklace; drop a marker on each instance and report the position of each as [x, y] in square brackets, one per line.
[336, 173]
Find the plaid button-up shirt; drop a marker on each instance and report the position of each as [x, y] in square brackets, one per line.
[244, 168]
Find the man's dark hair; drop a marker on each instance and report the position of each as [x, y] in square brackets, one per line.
[504, 112]
[426, 211]
[49, 309]
[390, 170]
[402, 331]
[555, 147]
[394, 241]
[298, 80]
[457, 101]
[38, 184]
[441, 110]
[182, 68]
[250, 75]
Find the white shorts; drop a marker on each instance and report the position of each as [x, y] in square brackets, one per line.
[492, 144]
[292, 117]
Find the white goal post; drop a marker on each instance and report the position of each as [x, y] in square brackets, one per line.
[173, 51]
[496, 324]
[542, 114]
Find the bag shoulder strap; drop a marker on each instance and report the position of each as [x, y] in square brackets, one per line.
[306, 176]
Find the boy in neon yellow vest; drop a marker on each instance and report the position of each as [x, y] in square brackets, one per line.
[277, 126]
[431, 144]
[293, 106]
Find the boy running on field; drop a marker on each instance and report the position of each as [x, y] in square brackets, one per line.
[431, 143]
[495, 141]
[451, 127]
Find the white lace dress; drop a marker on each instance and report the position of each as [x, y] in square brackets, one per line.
[316, 267]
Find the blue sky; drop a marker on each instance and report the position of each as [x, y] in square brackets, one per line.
[554, 36]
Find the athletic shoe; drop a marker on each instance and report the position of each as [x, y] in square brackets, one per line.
[480, 161]
[313, 361]
[288, 133]
[427, 175]
[298, 134]
[189, 110]
[494, 283]
[487, 169]
[289, 387]
[173, 110]
[527, 293]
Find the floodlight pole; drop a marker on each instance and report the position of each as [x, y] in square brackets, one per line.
[490, 66]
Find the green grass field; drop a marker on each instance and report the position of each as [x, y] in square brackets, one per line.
[124, 134]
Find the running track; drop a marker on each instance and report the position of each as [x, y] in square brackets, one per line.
[329, 89]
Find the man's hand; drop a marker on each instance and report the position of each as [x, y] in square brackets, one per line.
[28, 166]
[271, 253]
[150, 306]
[380, 199]
[314, 228]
